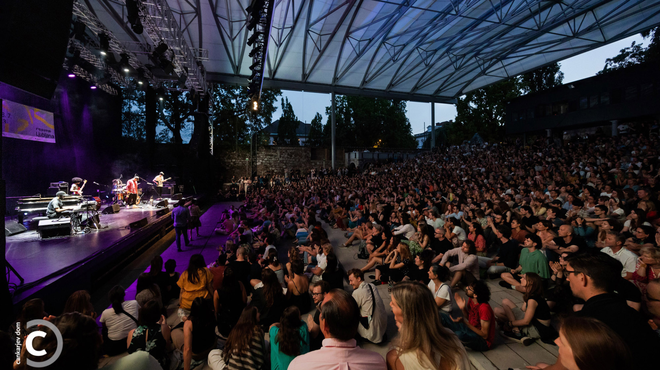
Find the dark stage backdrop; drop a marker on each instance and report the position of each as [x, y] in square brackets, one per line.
[87, 134]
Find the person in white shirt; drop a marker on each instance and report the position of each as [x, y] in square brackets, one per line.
[441, 291]
[406, 230]
[373, 322]
[454, 232]
[614, 248]
[119, 320]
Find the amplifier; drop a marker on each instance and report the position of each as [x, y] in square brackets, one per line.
[54, 227]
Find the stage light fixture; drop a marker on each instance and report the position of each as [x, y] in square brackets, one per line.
[133, 15]
[71, 75]
[160, 49]
[78, 31]
[93, 87]
[256, 66]
[125, 66]
[104, 43]
[255, 105]
[253, 52]
[254, 38]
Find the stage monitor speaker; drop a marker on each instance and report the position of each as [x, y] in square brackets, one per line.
[14, 228]
[138, 224]
[111, 209]
[162, 203]
[162, 212]
[177, 196]
[54, 227]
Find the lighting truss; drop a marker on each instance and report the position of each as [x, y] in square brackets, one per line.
[261, 20]
[89, 77]
[94, 60]
[92, 22]
[161, 26]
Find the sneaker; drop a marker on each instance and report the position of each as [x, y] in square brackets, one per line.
[504, 284]
[518, 337]
[372, 277]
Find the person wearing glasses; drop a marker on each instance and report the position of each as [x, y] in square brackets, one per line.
[319, 290]
[592, 277]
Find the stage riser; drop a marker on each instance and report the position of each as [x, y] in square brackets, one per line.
[94, 272]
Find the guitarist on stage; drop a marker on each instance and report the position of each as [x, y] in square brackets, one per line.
[76, 188]
[160, 180]
[132, 189]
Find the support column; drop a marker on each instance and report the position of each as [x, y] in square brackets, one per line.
[332, 130]
[432, 125]
[151, 121]
[615, 127]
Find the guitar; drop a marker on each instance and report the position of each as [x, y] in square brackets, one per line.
[160, 183]
[79, 191]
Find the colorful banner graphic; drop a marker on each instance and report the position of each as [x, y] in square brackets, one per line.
[22, 122]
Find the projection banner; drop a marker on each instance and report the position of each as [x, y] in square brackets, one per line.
[22, 122]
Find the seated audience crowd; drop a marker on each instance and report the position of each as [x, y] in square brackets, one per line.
[572, 230]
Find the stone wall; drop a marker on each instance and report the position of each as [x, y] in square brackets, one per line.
[278, 159]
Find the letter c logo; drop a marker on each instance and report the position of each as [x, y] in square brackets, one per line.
[39, 353]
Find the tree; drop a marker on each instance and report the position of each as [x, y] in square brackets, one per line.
[133, 118]
[541, 79]
[176, 115]
[635, 53]
[316, 131]
[482, 111]
[286, 130]
[233, 119]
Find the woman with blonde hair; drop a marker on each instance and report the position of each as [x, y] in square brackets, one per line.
[423, 343]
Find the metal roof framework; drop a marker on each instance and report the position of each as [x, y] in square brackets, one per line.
[421, 50]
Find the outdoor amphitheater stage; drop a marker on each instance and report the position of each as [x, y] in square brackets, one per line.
[52, 268]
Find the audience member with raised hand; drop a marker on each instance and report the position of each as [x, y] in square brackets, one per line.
[476, 328]
[532, 320]
[288, 338]
[423, 343]
[339, 325]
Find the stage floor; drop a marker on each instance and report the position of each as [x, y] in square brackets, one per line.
[35, 258]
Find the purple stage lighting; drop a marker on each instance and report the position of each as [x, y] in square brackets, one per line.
[71, 75]
[93, 87]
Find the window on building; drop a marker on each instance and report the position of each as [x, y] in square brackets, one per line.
[584, 102]
[593, 101]
[605, 98]
[631, 93]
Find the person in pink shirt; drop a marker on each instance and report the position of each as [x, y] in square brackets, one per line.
[339, 322]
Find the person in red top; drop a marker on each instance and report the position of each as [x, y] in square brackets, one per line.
[478, 332]
[132, 189]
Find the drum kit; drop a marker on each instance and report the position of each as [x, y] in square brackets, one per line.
[119, 192]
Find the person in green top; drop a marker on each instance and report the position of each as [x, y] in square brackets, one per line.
[531, 259]
[288, 338]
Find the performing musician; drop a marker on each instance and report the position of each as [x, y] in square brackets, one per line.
[56, 207]
[76, 188]
[132, 189]
[159, 180]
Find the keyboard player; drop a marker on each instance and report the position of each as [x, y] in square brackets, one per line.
[56, 207]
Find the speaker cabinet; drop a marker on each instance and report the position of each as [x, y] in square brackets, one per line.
[139, 224]
[115, 208]
[14, 228]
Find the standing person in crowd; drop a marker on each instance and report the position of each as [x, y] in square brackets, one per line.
[441, 291]
[118, 321]
[339, 324]
[373, 318]
[196, 281]
[288, 338]
[423, 344]
[180, 216]
[588, 344]
[467, 268]
[476, 329]
[195, 214]
[533, 320]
